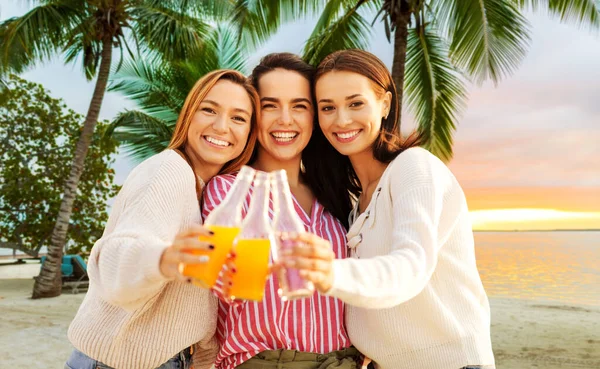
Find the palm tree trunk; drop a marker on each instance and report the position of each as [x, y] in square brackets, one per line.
[49, 282]
[400, 41]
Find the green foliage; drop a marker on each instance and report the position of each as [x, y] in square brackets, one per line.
[38, 137]
[77, 29]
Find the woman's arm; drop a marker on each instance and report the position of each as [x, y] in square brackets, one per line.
[387, 280]
[125, 263]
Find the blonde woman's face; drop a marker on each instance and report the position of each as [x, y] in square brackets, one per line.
[220, 127]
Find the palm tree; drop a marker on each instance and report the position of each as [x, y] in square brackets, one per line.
[438, 43]
[92, 29]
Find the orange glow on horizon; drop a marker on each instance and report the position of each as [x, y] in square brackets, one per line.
[533, 219]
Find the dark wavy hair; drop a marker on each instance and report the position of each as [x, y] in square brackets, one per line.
[390, 143]
[315, 166]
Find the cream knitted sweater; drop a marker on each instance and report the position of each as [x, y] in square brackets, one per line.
[132, 317]
[415, 298]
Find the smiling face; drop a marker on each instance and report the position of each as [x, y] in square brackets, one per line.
[287, 115]
[220, 127]
[350, 111]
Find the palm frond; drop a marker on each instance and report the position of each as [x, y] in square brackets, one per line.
[257, 20]
[81, 41]
[488, 38]
[215, 10]
[174, 34]
[434, 90]
[584, 13]
[140, 134]
[149, 82]
[348, 31]
[35, 36]
[221, 51]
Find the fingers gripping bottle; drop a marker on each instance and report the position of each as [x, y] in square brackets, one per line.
[291, 284]
[252, 246]
[225, 221]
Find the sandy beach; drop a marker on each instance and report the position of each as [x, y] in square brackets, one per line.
[525, 334]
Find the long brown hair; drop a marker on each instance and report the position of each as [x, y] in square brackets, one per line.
[390, 143]
[314, 166]
[192, 102]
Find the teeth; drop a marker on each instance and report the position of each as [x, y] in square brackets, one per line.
[348, 135]
[284, 134]
[216, 142]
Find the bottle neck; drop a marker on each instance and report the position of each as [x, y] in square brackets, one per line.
[284, 195]
[229, 211]
[260, 199]
[257, 223]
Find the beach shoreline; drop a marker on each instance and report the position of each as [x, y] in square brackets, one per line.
[525, 333]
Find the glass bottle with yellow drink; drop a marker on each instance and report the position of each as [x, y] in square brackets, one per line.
[225, 221]
[252, 246]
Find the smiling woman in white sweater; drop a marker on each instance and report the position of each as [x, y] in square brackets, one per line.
[415, 298]
[139, 313]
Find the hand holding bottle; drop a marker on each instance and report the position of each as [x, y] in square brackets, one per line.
[313, 258]
[182, 251]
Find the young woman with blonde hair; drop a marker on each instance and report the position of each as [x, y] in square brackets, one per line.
[139, 313]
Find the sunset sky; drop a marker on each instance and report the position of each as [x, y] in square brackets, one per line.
[527, 152]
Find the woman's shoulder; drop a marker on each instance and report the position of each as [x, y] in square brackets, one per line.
[416, 167]
[167, 168]
[220, 183]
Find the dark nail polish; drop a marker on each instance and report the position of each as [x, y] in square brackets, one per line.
[188, 280]
[211, 233]
[233, 270]
[233, 254]
[212, 247]
[230, 284]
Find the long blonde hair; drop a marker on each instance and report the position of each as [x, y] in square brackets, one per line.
[192, 102]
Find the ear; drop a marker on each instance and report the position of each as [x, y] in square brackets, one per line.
[387, 104]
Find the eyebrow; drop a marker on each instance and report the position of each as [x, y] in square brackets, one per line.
[235, 109]
[347, 98]
[296, 100]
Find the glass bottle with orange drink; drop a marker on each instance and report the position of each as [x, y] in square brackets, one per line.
[225, 221]
[252, 246]
[291, 284]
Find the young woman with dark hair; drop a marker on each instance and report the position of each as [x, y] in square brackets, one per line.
[305, 333]
[415, 298]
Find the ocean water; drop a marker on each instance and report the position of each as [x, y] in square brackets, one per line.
[559, 267]
[551, 266]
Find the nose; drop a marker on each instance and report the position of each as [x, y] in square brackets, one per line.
[343, 118]
[220, 125]
[286, 117]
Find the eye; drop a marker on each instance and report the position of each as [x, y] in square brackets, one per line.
[301, 107]
[209, 110]
[239, 119]
[269, 106]
[356, 104]
[327, 108]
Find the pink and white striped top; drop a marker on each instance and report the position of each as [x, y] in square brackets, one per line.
[314, 324]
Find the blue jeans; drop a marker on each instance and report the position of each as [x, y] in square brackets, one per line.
[79, 360]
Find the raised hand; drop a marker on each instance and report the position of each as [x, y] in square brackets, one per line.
[313, 257]
[182, 252]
